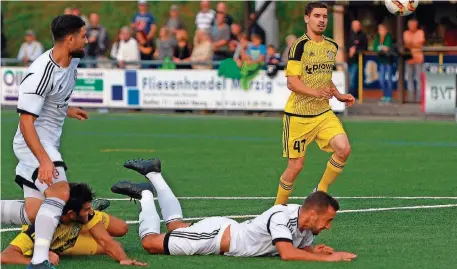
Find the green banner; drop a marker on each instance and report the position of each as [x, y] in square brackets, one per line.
[89, 84]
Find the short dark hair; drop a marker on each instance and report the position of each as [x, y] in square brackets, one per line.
[80, 193]
[312, 5]
[320, 201]
[64, 25]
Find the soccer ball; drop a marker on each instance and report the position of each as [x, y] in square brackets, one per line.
[401, 7]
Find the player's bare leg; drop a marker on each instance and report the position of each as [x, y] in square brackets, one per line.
[342, 150]
[286, 183]
[117, 227]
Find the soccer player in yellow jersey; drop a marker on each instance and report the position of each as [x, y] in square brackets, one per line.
[308, 116]
[82, 231]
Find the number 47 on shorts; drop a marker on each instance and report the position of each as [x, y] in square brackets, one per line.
[299, 146]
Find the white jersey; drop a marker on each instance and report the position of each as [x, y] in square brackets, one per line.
[45, 92]
[258, 237]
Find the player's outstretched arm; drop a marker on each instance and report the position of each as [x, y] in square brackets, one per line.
[112, 247]
[290, 253]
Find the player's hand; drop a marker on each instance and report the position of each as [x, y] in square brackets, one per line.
[325, 93]
[77, 113]
[323, 249]
[341, 256]
[46, 172]
[54, 258]
[132, 262]
[346, 98]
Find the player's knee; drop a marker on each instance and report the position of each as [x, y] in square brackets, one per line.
[296, 165]
[59, 190]
[343, 152]
[152, 244]
[123, 229]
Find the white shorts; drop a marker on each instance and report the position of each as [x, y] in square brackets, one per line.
[27, 170]
[201, 238]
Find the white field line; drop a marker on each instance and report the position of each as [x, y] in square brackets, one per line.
[253, 216]
[300, 198]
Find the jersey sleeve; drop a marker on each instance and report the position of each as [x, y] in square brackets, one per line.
[34, 88]
[277, 227]
[294, 64]
[24, 242]
[95, 218]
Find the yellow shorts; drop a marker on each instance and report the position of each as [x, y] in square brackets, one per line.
[299, 132]
[86, 244]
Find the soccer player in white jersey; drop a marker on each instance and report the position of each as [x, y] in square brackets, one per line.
[43, 105]
[284, 230]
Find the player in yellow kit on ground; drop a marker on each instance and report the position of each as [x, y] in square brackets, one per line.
[308, 116]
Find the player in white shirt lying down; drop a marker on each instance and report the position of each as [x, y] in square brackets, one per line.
[284, 230]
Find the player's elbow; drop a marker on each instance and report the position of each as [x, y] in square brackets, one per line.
[123, 229]
[285, 256]
[8, 256]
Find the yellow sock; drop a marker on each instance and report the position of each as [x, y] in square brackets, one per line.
[334, 168]
[284, 190]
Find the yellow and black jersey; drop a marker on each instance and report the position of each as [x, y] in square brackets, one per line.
[313, 62]
[64, 237]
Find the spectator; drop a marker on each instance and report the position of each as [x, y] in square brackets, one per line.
[234, 37]
[128, 51]
[144, 21]
[383, 46]
[240, 53]
[3, 52]
[450, 32]
[30, 50]
[254, 28]
[182, 51]
[174, 23]
[256, 52]
[146, 48]
[357, 43]
[205, 17]
[203, 51]
[272, 56]
[68, 11]
[290, 39]
[222, 8]
[165, 45]
[220, 35]
[77, 12]
[115, 46]
[97, 37]
[414, 40]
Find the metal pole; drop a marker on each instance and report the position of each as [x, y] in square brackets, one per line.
[401, 62]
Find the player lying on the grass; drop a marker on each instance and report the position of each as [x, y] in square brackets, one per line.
[82, 231]
[286, 230]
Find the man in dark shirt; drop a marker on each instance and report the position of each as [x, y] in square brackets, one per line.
[358, 43]
[97, 37]
[255, 28]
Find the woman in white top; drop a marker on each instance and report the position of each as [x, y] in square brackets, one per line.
[203, 51]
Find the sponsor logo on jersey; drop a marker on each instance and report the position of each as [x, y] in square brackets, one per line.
[319, 68]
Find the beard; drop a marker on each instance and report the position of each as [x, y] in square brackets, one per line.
[78, 53]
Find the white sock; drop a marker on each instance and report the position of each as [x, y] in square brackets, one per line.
[169, 204]
[149, 219]
[45, 225]
[13, 212]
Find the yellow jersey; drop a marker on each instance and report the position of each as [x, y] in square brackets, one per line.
[313, 62]
[64, 237]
